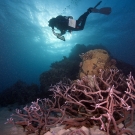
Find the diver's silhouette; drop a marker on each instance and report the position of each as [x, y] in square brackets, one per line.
[67, 23]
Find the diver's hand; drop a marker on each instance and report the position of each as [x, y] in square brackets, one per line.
[61, 37]
[58, 35]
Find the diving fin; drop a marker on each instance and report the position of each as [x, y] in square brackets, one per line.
[97, 4]
[104, 10]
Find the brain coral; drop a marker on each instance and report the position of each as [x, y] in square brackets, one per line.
[93, 61]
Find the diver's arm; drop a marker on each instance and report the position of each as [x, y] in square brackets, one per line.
[58, 35]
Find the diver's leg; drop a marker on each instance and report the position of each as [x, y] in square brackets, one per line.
[80, 23]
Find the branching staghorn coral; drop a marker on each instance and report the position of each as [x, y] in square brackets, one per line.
[107, 103]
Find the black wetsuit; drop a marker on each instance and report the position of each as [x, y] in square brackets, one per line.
[62, 23]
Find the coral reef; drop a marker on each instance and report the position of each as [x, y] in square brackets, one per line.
[101, 97]
[63, 69]
[109, 102]
[20, 93]
[68, 67]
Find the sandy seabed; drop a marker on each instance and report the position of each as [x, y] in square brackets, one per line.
[8, 129]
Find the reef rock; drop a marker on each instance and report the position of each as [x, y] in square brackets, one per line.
[93, 61]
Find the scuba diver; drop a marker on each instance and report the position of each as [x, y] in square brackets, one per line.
[67, 23]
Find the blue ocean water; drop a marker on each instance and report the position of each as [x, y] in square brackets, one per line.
[28, 47]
